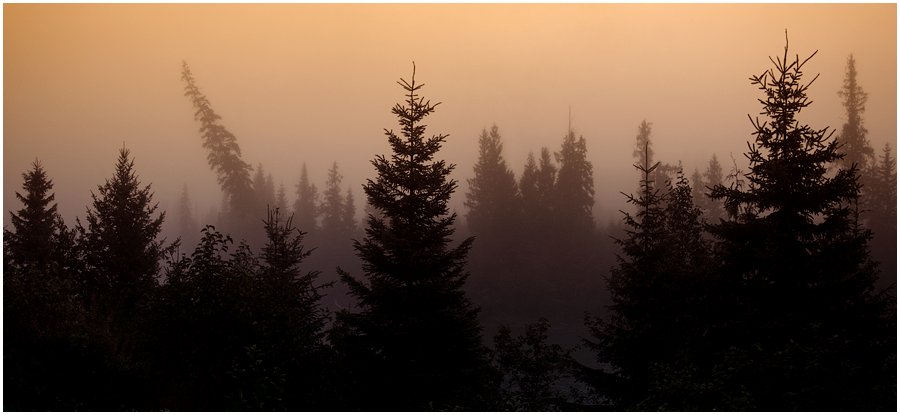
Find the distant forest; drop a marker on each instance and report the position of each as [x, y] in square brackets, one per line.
[765, 289]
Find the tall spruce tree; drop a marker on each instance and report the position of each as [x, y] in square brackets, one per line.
[281, 201]
[416, 338]
[224, 152]
[537, 187]
[332, 206]
[37, 224]
[854, 144]
[120, 246]
[306, 207]
[805, 310]
[574, 189]
[492, 198]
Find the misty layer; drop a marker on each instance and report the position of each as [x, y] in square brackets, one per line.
[770, 289]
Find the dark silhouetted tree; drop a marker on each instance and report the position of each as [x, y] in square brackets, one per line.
[117, 280]
[120, 246]
[307, 203]
[42, 317]
[37, 225]
[415, 342]
[217, 303]
[806, 313]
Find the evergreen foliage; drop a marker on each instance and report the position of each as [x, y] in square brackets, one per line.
[37, 225]
[657, 289]
[537, 186]
[281, 201]
[217, 305]
[348, 216]
[492, 198]
[416, 334]
[336, 225]
[574, 188]
[224, 152]
[854, 144]
[120, 249]
[306, 207]
[798, 266]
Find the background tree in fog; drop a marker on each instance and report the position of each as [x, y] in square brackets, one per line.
[665, 172]
[574, 188]
[701, 184]
[416, 337]
[224, 152]
[306, 207]
[537, 188]
[188, 230]
[263, 189]
[854, 143]
[348, 216]
[494, 217]
[492, 198]
[333, 209]
[281, 201]
[805, 312]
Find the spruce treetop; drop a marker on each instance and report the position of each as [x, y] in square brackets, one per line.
[36, 223]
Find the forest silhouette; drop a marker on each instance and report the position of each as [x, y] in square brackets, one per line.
[771, 289]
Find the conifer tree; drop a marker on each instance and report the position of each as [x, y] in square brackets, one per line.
[348, 216]
[711, 178]
[264, 190]
[884, 190]
[416, 337]
[574, 189]
[187, 225]
[281, 201]
[224, 152]
[537, 187]
[120, 246]
[492, 198]
[799, 269]
[332, 206]
[307, 204]
[855, 145]
[660, 292]
[37, 225]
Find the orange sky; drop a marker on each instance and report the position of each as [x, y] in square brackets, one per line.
[316, 82]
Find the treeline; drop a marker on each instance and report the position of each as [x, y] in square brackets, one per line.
[752, 291]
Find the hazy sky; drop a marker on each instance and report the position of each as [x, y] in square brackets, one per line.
[316, 83]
